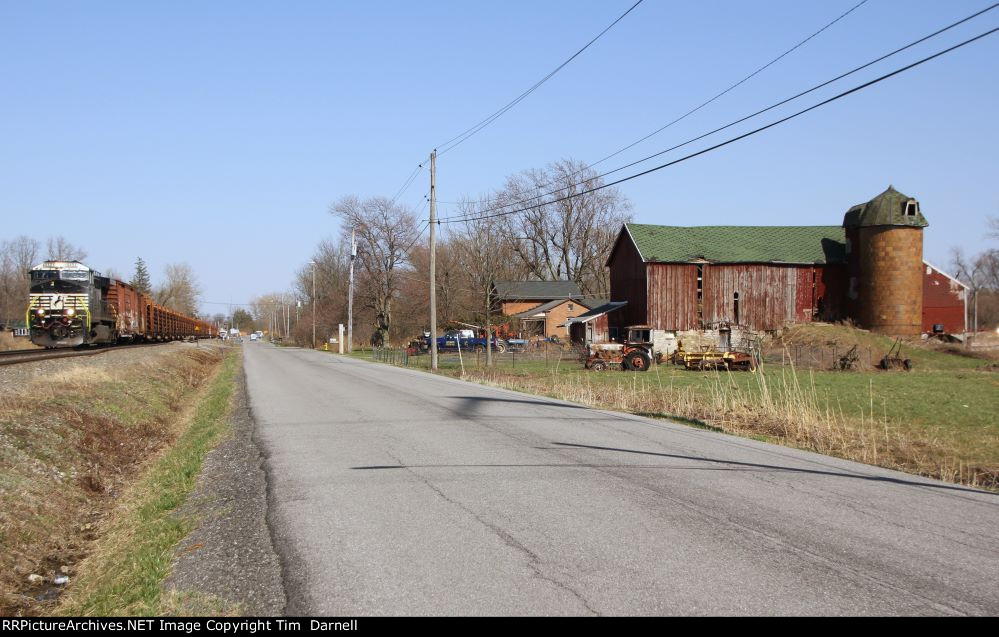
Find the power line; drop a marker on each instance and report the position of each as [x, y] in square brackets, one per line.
[462, 137]
[712, 99]
[409, 180]
[744, 135]
[450, 219]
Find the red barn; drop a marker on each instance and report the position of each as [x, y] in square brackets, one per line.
[763, 278]
[759, 277]
[945, 302]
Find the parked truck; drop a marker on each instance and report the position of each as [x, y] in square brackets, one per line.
[455, 340]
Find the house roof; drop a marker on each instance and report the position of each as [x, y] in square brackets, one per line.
[536, 290]
[887, 209]
[739, 244]
[605, 308]
[545, 307]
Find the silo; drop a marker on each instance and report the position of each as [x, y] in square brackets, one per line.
[885, 253]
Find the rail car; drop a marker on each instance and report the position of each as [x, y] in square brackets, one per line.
[71, 305]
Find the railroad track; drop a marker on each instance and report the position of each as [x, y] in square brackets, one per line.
[35, 355]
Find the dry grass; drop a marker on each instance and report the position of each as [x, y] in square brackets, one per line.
[784, 407]
[70, 444]
[9, 343]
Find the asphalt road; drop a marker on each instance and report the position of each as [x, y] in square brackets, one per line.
[393, 492]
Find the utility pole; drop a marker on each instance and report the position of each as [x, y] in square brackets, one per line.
[350, 295]
[433, 260]
[313, 305]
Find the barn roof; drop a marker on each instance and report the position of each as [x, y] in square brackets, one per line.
[600, 310]
[739, 244]
[546, 307]
[536, 290]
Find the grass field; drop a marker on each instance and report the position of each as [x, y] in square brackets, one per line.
[124, 574]
[73, 446]
[939, 420]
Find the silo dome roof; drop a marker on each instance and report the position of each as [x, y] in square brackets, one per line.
[890, 208]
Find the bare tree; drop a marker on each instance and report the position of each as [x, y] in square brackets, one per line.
[60, 249]
[385, 234]
[483, 259]
[332, 261]
[567, 231]
[180, 290]
[981, 273]
[17, 256]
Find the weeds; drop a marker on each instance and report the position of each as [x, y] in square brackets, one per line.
[784, 407]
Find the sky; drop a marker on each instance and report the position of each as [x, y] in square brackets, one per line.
[219, 133]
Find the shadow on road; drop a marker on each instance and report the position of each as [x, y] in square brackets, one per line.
[752, 465]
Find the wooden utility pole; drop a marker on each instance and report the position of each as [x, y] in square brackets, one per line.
[313, 305]
[433, 260]
[350, 295]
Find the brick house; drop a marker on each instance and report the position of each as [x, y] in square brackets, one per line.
[540, 308]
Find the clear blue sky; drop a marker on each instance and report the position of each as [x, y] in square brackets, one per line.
[218, 133]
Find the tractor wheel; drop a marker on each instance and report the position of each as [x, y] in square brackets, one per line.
[637, 362]
[500, 348]
[598, 366]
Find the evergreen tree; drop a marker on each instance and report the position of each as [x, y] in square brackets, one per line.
[140, 281]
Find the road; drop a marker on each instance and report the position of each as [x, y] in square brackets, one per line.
[394, 492]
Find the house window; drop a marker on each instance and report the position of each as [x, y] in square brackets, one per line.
[571, 307]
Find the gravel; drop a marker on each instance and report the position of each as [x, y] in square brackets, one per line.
[230, 555]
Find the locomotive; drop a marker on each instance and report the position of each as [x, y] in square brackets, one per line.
[71, 305]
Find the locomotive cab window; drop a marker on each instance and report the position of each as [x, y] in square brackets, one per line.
[41, 287]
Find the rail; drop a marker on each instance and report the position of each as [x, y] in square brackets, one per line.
[17, 357]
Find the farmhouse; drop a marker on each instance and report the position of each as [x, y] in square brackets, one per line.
[540, 308]
[761, 278]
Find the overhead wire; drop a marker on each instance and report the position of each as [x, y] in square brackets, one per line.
[468, 133]
[715, 97]
[744, 135]
[734, 122]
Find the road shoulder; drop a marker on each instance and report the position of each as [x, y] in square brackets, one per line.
[229, 562]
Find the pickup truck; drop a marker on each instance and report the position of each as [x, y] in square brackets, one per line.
[465, 340]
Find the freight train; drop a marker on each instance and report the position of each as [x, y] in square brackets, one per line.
[70, 305]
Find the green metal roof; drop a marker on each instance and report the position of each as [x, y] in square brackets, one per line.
[887, 209]
[739, 244]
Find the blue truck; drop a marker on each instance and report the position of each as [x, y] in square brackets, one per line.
[465, 340]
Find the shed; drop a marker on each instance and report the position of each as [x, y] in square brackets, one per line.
[594, 326]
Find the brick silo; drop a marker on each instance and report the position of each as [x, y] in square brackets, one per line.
[885, 257]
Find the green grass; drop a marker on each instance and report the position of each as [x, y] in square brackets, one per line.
[939, 420]
[124, 576]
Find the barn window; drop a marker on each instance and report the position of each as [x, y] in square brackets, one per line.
[735, 307]
[570, 307]
[911, 208]
[700, 295]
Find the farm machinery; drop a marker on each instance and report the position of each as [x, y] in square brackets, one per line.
[635, 353]
[708, 358]
[893, 359]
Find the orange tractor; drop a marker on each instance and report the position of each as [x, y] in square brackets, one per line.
[635, 353]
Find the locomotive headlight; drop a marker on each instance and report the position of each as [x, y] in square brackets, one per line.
[70, 312]
[41, 312]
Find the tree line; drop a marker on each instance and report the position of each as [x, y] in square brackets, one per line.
[178, 289]
[558, 238]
